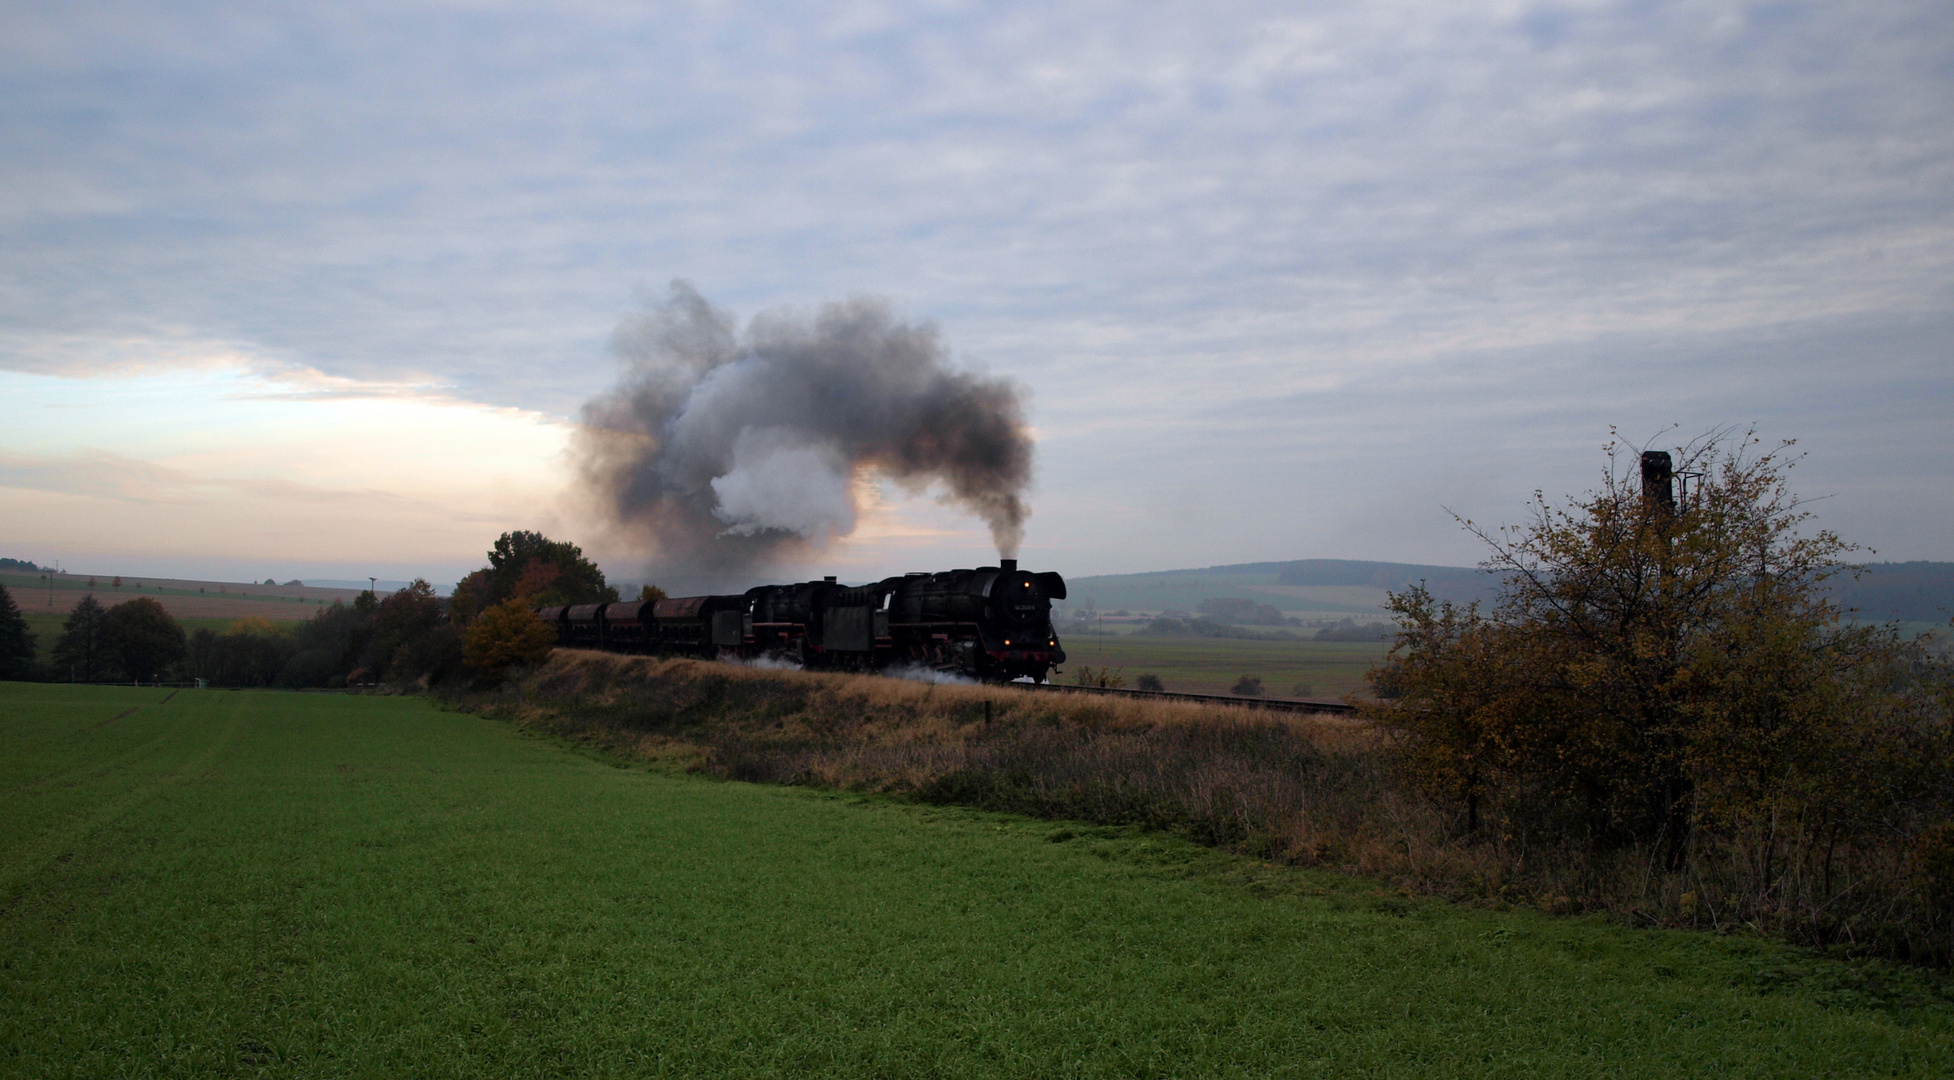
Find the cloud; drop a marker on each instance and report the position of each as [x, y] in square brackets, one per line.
[97, 475]
[1191, 232]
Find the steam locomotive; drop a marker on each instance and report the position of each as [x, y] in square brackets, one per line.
[993, 623]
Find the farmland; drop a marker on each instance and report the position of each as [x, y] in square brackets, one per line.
[207, 883]
[1211, 665]
[183, 599]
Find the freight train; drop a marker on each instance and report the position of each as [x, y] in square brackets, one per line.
[993, 623]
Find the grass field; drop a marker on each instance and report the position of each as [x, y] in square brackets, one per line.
[264, 884]
[1211, 665]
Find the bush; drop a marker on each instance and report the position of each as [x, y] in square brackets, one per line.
[1248, 686]
[1104, 677]
[509, 634]
[1149, 681]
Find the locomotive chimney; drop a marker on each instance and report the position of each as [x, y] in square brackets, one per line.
[830, 579]
[1658, 479]
[1007, 565]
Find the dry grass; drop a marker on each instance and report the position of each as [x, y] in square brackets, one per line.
[1284, 786]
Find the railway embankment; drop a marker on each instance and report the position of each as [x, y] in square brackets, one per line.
[1296, 788]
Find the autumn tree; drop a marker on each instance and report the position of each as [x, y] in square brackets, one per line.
[531, 566]
[509, 634]
[576, 580]
[1663, 662]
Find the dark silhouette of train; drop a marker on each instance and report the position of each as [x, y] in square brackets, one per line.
[993, 623]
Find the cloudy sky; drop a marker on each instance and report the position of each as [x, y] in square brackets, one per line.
[319, 289]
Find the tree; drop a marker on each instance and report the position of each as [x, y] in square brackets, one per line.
[509, 634]
[1242, 612]
[79, 653]
[329, 645]
[576, 580]
[530, 565]
[1655, 666]
[252, 652]
[143, 638]
[412, 637]
[17, 651]
[652, 592]
[403, 616]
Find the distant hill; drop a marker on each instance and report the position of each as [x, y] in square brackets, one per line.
[1908, 592]
[1322, 588]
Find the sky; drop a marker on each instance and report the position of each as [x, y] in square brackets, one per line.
[320, 289]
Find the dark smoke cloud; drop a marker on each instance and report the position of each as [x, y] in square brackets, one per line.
[733, 451]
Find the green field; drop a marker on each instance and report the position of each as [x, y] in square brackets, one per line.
[1185, 589]
[1211, 665]
[207, 883]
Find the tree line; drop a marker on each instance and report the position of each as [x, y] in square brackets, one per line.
[409, 638]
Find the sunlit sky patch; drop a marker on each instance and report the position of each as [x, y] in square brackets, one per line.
[151, 470]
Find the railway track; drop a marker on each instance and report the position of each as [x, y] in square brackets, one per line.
[1294, 705]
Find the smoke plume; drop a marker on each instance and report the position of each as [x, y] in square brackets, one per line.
[729, 451]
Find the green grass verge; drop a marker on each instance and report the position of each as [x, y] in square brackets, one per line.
[254, 883]
[1211, 665]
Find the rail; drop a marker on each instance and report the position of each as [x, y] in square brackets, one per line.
[1295, 705]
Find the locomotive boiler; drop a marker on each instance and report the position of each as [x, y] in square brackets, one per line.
[992, 623]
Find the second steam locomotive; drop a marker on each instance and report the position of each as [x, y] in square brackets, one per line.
[993, 623]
